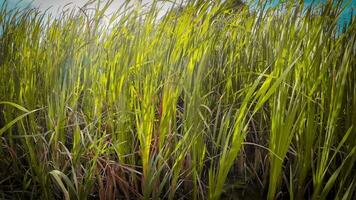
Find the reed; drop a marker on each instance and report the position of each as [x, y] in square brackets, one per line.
[204, 100]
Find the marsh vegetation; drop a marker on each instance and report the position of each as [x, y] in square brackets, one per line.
[203, 102]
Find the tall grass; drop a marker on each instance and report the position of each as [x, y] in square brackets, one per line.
[204, 101]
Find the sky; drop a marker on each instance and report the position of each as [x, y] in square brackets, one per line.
[350, 6]
[55, 4]
[345, 15]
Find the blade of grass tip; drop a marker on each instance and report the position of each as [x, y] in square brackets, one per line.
[56, 175]
[11, 123]
[14, 105]
[66, 180]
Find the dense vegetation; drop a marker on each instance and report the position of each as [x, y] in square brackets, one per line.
[205, 101]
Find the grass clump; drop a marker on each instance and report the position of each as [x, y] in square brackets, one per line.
[204, 101]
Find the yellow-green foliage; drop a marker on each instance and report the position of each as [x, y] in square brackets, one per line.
[204, 101]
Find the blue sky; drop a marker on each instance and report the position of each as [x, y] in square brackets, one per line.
[345, 15]
[350, 5]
